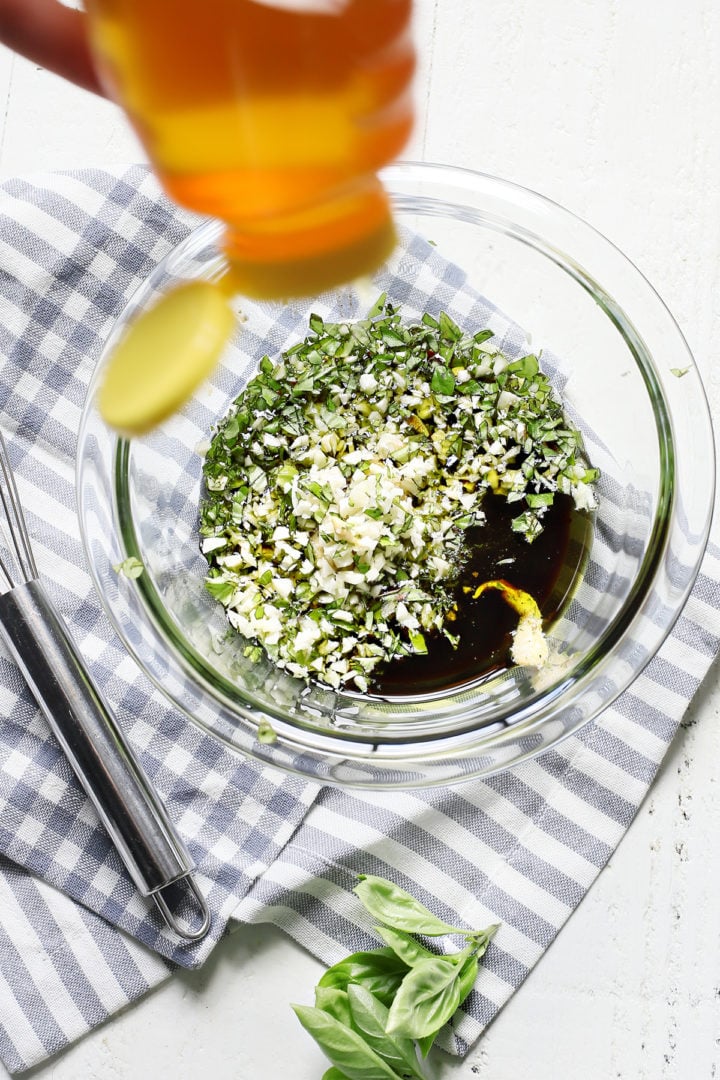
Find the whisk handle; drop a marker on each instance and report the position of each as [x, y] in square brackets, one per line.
[102, 759]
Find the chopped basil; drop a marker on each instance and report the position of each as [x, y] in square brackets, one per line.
[340, 486]
[443, 381]
[221, 589]
[130, 567]
[266, 733]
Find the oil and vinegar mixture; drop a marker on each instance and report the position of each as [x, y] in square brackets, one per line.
[549, 570]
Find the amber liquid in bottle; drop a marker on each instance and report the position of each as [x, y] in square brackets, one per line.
[273, 116]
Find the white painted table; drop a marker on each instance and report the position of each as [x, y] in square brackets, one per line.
[613, 110]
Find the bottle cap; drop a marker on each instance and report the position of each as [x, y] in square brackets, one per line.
[164, 355]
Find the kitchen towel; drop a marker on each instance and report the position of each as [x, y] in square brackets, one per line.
[521, 848]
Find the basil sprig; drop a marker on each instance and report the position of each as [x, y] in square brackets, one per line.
[378, 1012]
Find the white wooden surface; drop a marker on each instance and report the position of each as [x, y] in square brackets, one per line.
[613, 109]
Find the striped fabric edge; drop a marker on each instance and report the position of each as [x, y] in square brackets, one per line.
[71, 970]
[544, 831]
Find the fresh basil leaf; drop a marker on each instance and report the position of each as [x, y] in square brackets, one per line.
[403, 945]
[345, 1048]
[370, 1018]
[380, 971]
[334, 1002]
[334, 1074]
[231, 430]
[427, 998]
[391, 905]
[467, 977]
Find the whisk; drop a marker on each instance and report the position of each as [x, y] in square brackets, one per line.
[138, 824]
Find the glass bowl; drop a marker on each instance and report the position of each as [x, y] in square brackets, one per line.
[627, 379]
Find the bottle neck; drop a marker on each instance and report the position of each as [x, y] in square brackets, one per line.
[317, 248]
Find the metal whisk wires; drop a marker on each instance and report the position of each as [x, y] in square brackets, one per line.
[17, 562]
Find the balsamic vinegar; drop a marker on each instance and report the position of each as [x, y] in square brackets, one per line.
[548, 569]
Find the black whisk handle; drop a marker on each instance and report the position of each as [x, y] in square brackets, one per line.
[101, 757]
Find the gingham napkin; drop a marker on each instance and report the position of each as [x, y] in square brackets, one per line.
[77, 943]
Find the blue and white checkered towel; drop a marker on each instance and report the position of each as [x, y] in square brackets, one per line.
[76, 942]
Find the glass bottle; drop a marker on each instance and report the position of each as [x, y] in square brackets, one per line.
[273, 116]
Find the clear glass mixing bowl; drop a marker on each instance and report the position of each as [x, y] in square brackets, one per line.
[465, 236]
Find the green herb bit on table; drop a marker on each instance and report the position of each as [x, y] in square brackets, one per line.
[377, 1013]
[130, 567]
[341, 485]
